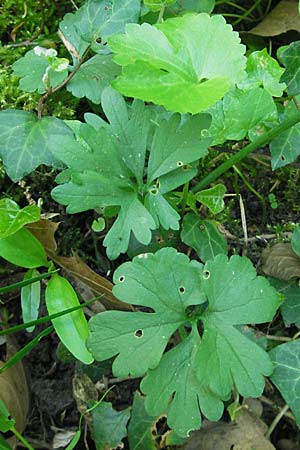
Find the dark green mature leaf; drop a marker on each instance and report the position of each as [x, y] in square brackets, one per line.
[198, 6]
[6, 423]
[12, 218]
[92, 77]
[109, 426]
[98, 19]
[140, 338]
[157, 67]
[4, 444]
[140, 426]
[23, 249]
[291, 59]
[26, 142]
[109, 169]
[235, 296]
[242, 112]
[285, 147]
[203, 236]
[286, 374]
[290, 308]
[156, 5]
[295, 241]
[176, 374]
[263, 70]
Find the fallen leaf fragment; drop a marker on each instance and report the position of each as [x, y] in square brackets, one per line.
[284, 17]
[279, 261]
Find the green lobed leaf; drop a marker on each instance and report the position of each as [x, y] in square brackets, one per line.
[30, 298]
[106, 167]
[176, 375]
[242, 112]
[98, 19]
[286, 374]
[291, 59]
[26, 142]
[36, 72]
[295, 241]
[140, 338]
[285, 147]
[6, 423]
[235, 296]
[92, 77]
[109, 426]
[23, 249]
[203, 236]
[263, 71]
[12, 218]
[160, 239]
[213, 198]
[140, 427]
[72, 329]
[157, 67]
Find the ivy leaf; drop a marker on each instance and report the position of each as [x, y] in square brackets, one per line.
[140, 338]
[285, 147]
[241, 112]
[226, 356]
[109, 169]
[92, 77]
[109, 426]
[286, 374]
[290, 308]
[12, 218]
[176, 375]
[39, 71]
[203, 236]
[263, 70]
[140, 426]
[26, 142]
[98, 19]
[291, 59]
[157, 67]
[213, 198]
[295, 241]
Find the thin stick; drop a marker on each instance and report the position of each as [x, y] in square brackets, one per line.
[276, 421]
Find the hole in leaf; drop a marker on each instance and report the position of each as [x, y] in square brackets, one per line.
[170, 235]
[181, 289]
[139, 333]
[159, 239]
[205, 132]
[122, 279]
[202, 227]
[206, 274]
[282, 158]
[154, 191]
[179, 164]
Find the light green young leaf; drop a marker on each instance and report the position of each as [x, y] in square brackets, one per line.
[109, 169]
[6, 423]
[98, 19]
[157, 67]
[139, 339]
[242, 112]
[295, 241]
[23, 249]
[12, 218]
[291, 59]
[140, 426]
[72, 329]
[92, 77]
[235, 296]
[203, 236]
[157, 5]
[30, 298]
[109, 426]
[213, 198]
[286, 374]
[37, 73]
[263, 70]
[176, 375]
[26, 142]
[285, 147]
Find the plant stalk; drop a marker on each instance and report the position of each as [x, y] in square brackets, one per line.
[261, 141]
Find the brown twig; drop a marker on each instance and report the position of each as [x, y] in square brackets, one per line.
[44, 98]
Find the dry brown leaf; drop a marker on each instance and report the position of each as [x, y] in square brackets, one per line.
[246, 433]
[14, 390]
[44, 231]
[284, 17]
[279, 261]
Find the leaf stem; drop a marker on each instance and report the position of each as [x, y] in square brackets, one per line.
[161, 15]
[276, 421]
[261, 141]
[44, 98]
[21, 438]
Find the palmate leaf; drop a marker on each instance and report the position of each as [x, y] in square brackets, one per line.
[157, 66]
[109, 426]
[26, 142]
[200, 372]
[108, 170]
